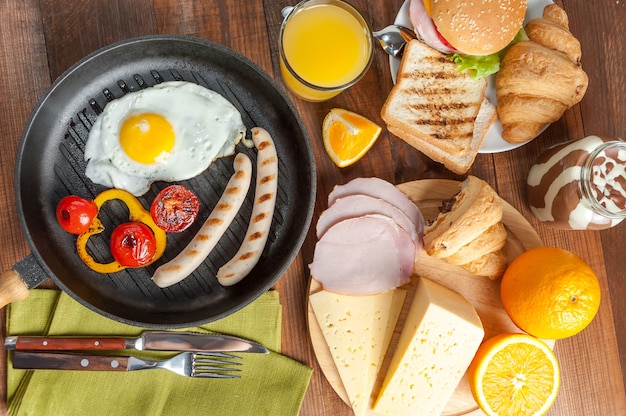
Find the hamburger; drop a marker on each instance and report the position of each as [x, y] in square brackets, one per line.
[473, 31]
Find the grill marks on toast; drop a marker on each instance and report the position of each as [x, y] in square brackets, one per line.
[440, 105]
[433, 101]
[438, 110]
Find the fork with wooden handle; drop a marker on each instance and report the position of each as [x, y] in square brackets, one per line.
[189, 364]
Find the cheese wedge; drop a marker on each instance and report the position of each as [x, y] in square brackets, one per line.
[357, 330]
[438, 341]
[379, 349]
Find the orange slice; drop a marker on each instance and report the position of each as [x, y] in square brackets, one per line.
[348, 136]
[514, 374]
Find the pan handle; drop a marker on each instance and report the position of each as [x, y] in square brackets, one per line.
[12, 288]
[15, 284]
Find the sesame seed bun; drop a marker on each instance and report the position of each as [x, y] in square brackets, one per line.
[478, 27]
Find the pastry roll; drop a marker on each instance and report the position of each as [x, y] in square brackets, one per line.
[474, 209]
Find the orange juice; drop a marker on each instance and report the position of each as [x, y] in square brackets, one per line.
[325, 48]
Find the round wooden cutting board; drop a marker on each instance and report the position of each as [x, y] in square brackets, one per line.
[482, 293]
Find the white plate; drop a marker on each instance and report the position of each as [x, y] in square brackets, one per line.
[494, 143]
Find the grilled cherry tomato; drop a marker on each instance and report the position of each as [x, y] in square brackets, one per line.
[76, 214]
[133, 244]
[174, 208]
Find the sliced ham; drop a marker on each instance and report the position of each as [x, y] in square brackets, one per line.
[425, 27]
[381, 189]
[363, 256]
[358, 205]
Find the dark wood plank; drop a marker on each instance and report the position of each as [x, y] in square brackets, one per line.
[601, 27]
[23, 78]
[73, 31]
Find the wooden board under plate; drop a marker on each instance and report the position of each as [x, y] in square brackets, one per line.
[483, 293]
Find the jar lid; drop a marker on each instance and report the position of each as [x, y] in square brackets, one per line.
[603, 179]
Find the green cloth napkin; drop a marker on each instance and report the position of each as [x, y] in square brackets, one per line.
[271, 384]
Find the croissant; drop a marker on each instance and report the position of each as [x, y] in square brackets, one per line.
[541, 78]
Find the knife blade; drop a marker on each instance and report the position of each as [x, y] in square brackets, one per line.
[148, 341]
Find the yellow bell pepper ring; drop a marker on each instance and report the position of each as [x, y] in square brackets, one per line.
[136, 213]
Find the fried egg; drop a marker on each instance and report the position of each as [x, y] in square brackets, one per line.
[170, 132]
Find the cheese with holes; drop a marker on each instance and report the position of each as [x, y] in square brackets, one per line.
[357, 330]
[438, 341]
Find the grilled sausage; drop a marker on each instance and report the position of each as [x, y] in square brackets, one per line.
[213, 228]
[262, 212]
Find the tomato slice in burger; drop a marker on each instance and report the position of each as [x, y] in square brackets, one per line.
[133, 244]
[175, 208]
[443, 40]
[76, 214]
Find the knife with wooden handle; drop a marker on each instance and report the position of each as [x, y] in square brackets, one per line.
[57, 361]
[149, 340]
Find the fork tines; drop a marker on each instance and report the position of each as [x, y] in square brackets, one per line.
[206, 365]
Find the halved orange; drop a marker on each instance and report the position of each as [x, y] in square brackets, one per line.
[348, 136]
[514, 374]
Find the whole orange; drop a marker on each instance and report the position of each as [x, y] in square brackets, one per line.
[550, 293]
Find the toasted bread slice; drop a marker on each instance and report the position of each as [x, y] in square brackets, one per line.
[457, 163]
[433, 102]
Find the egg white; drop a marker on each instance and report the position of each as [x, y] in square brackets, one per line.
[205, 124]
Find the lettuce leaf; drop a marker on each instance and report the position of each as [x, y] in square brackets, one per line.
[482, 66]
[477, 66]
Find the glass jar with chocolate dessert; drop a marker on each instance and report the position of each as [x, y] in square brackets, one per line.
[580, 185]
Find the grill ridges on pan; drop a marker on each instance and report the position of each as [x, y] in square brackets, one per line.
[157, 77]
[108, 94]
[199, 79]
[176, 75]
[126, 88]
[213, 181]
[95, 106]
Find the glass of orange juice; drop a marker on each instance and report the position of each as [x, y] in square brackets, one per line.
[325, 47]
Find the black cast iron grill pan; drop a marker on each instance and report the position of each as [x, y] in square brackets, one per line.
[50, 165]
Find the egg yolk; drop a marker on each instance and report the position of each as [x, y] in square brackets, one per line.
[147, 138]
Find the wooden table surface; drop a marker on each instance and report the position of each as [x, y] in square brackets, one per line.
[42, 38]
